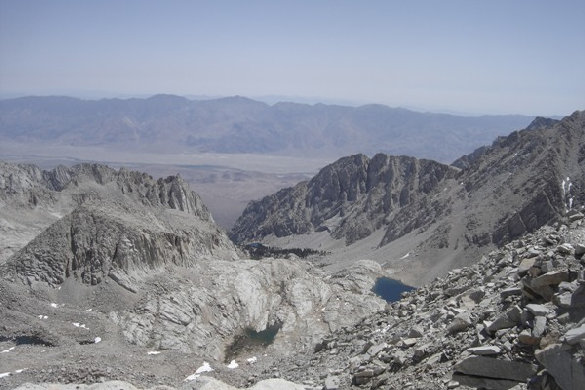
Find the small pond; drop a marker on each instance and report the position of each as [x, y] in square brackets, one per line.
[390, 289]
[250, 340]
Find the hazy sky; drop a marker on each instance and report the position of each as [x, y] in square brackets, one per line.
[509, 56]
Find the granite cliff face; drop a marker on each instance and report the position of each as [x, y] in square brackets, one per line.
[441, 214]
[350, 198]
[109, 223]
[27, 184]
[214, 303]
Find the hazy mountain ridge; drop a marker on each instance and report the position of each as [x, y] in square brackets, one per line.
[165, 123]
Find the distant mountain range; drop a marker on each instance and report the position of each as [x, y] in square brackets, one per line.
[166, 123]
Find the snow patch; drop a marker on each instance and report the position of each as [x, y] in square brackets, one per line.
[233, 365]
[42, 317]
[77, 325]
[97, 339]
[566, 186]
[405, 256]
[19, 371]
[8, 350]
[192, 377]
[4, 374]
[54, 305]
[153, 352]
[252, 360]
[204, 368]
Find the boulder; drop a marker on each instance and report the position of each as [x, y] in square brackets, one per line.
[537, 310]
[331, 383]
[568, 372]
[526, 264]
[511, 291]
[460, 323]
[483, 382]
[549, 279]
[416, 331]
[579, 250]
[575, 335]
[526, 337]
[539, 326]
[507, 320]
[485, 350]
[481, 366]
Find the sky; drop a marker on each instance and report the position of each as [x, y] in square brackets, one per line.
[462, 56]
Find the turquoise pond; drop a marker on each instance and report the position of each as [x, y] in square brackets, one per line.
[390, 289]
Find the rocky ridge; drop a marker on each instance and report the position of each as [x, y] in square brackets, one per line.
[514, 320]
[32, 199]
[116, 223]
[418, 215]
[350, 198]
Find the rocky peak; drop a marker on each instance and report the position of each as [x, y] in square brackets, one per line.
[444, 214]
[541, 123]
[349, 198]
[110, 223]
[171, 192]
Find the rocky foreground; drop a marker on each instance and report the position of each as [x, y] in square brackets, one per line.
[514, 320]
[130, 279]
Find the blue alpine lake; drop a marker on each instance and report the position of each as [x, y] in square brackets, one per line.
[390, 289]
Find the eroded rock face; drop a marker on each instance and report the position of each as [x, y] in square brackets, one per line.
[113, 223]
[350, 198]
[26, 182]
[98, 241]
[216, 301]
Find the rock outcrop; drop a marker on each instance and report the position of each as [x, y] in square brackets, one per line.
[119, 222]
[215, 303]
[350, 198]
[32, 199]
[514, 320]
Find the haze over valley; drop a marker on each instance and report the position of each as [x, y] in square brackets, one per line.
[233, 150]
